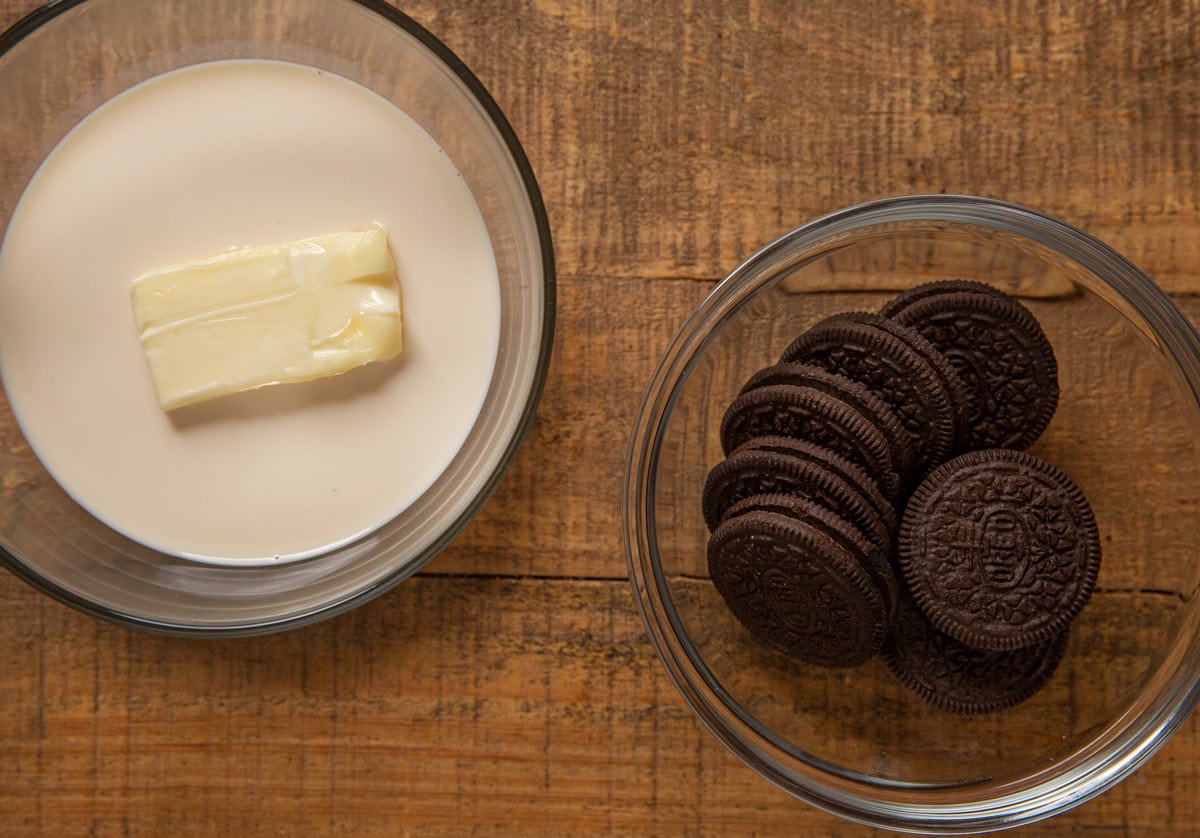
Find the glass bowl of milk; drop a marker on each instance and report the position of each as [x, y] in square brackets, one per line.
[144, 133]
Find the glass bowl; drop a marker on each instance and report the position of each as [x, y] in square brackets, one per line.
[65, 60]
[854, 741]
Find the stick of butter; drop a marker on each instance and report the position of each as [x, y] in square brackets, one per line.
[268, 315]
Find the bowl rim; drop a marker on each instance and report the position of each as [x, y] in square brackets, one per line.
[39, 17]
[1123, 745]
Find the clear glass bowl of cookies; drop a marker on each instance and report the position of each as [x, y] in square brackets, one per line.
[979, 739]
[146, 133]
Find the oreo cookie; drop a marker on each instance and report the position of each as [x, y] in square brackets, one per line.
[930, 289]
[863, 484]
[809, 414]
[797, 590]
[784, 466]
[1003, 358]
[841, 531]
[952, 676]
[896, 371]
[955, 389]
[999, 549]
[861, 398]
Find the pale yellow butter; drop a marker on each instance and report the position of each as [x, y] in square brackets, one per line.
[268, 315]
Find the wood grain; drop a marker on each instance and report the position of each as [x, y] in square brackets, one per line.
[510, 688]
[515, 705]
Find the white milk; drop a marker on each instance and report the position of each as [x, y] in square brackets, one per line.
[191, 164]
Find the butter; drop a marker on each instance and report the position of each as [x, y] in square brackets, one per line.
[278, 314]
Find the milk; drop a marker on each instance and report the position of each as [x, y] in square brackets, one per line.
[191, 164]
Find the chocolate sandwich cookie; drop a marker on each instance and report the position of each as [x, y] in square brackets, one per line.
[864, 485]
[952, 676]
[797, 590]
[999, 549]
[823, 477]
[861, 398]
[946, 373]
[896, 371]
[929, 289]
[844, 533]
[809, 414]
[1003, 358]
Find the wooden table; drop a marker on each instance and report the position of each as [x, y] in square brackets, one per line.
[510, 687]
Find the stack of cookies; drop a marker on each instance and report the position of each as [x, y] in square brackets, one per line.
[875, 497]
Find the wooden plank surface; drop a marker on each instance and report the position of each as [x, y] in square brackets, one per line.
[510, 687]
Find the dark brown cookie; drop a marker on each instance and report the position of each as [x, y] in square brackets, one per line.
[809, 414]
[999, 549]
[844, 533]
[822, 477]
[797, 590]
[1003, 358]
[955, 389]
[861, 398]
[929, 289]
[893, 369]
[955, 677]
[863, 484]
